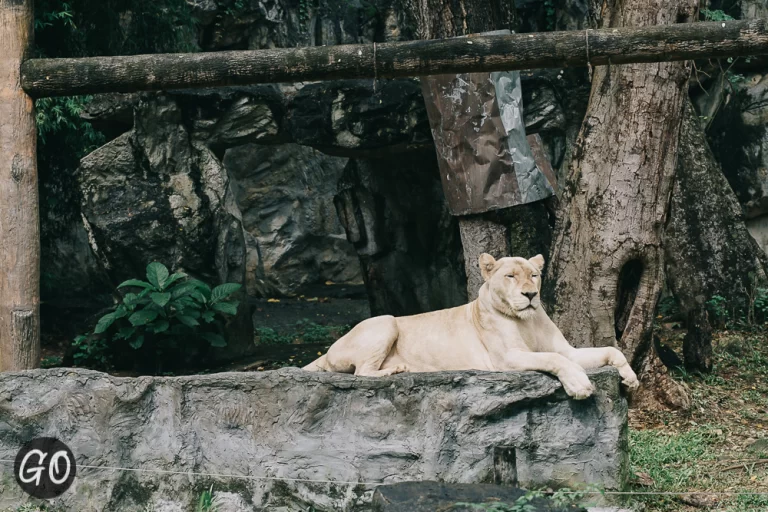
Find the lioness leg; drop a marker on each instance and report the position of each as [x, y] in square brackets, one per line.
[362, 350]
[373, 346]
[595, 357]
[571, 375]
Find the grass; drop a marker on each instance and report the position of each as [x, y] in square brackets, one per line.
[304, 331]
[719, 446]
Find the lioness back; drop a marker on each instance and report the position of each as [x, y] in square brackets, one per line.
[439, 340]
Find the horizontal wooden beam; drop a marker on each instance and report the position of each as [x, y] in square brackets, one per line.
[64, 77]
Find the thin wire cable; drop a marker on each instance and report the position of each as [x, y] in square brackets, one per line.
[375, 69]
[357, 482]
[589, 64]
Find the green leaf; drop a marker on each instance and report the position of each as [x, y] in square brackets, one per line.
[162, 326]
[208, 316]
[187, 320]
[161, 299]
[198, 296]
[204, 288]
[142, 317]
[229, 308]
[157, 274]
[214, 339]
[174, 277]
[138, 342]
[185, 303]
[224, 290]
[104, 323]
[183, 289]
[134, 282]
[125, 333]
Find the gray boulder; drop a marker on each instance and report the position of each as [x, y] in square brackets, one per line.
[294, 238]
[288, 439]
[255, 142]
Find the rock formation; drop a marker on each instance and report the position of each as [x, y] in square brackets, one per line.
[347, 433]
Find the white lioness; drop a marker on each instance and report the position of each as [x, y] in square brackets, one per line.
[504, 329]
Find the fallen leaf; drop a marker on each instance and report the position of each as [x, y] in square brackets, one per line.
[643, 479]
[273, 300]
[329, 283]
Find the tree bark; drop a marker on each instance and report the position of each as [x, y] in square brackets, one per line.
[708, 250]
[19, 221]
[433, 19]
[608, 256]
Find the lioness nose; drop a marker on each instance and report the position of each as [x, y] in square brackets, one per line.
[530, 295]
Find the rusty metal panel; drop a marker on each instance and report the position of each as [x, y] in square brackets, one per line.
[485, 159]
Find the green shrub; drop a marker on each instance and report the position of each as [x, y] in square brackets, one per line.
[158, 316]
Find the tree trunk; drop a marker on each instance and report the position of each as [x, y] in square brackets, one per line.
[608, 256]
[708, 250]
[19, 221]
[487, 232]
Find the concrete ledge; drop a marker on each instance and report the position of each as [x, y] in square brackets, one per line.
[346, 432]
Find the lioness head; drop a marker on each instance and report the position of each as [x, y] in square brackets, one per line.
[514, 284]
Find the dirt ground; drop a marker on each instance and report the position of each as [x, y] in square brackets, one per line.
[717, 451]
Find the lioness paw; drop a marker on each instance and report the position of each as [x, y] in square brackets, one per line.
[401, 368]
[577, 385]
[628, 377]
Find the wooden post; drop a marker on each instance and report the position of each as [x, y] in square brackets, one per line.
[19, 212]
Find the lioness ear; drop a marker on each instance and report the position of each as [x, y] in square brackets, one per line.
[487, 262]
[538, 262]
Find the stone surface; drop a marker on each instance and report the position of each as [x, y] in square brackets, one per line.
[394, 213]
[294, 237]
[347, 432]
[253, 140]
[432, 496]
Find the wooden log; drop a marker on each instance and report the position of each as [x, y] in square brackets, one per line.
[19, 217]
[684, 41]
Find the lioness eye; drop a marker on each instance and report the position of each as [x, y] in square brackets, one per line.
[510, 276]
[534, 275]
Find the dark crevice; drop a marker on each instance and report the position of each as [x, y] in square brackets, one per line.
[626, 291]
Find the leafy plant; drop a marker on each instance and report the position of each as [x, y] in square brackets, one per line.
[549, 14]
[715, 15]
[717, 310]
[238, 7]
[161, 313]
[206, 501]
[49, 17]
[761, 305]
[57, 115]
[268, 336]
[50, 362]
[667, 307]
[91, 351]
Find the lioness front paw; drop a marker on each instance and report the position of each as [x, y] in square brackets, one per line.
[401, 368]
[577, 385]
[628, 377]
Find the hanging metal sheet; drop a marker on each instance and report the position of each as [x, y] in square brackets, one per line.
[485, 159]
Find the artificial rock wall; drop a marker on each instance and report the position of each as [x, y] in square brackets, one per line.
[347, 433]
